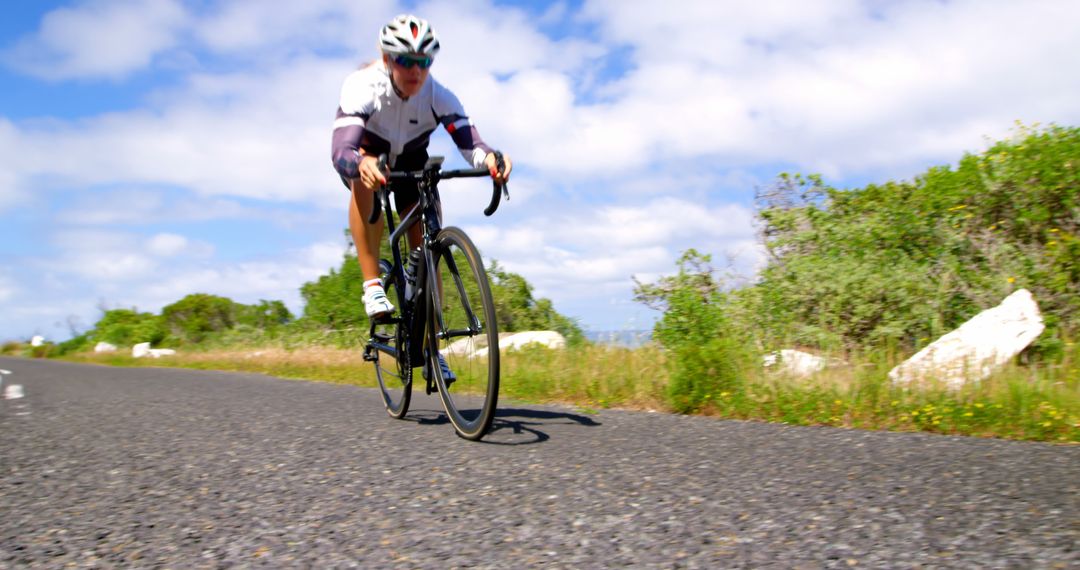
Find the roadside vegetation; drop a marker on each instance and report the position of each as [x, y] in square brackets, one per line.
[865, 276]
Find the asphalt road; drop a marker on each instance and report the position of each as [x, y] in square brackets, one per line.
[104, 467]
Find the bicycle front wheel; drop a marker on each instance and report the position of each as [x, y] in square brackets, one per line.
[388, 346]
[463, 330]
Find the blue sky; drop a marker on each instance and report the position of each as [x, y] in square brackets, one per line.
[154, 148]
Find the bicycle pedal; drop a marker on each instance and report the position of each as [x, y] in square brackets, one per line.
[382, 337]
[385, 319]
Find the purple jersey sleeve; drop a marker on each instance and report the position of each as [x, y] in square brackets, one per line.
[451, 115]
[349, 126]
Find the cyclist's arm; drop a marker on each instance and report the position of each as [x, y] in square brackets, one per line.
[354, 109]
[451, 115]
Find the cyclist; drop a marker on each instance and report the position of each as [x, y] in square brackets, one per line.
[391, 106]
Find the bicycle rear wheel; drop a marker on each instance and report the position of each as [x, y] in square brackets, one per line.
[388, 345]
[463, 330]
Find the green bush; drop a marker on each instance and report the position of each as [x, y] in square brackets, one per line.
[335, 302]
[197, 315]
[75, 344]
[264, 315]
[126, 327]
[902, 262]
[708, 357]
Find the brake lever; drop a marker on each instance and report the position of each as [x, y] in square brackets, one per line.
[500, 166]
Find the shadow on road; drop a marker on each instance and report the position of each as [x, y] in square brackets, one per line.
[514, 426]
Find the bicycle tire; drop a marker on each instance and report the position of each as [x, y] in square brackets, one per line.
[462, 328]
[394, 377]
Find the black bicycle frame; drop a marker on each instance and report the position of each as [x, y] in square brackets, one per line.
[426, 211]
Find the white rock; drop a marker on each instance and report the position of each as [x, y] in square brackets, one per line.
[104, 347]
[981, 345]
[466, 346]
[37, 340]
[507, 341]
[140, 350]
[546, 339]
[159, 352]
[795, 362]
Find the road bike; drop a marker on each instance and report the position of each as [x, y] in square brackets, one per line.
[445, 308]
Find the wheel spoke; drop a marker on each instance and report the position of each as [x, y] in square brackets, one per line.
[389, 343]
[465, 334]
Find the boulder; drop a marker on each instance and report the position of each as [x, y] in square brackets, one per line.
[518, 340]
[546, 339]
[143, 349]
[104, 347]
[795, 362]
[980, 346]
[466, 346]
[37, 340]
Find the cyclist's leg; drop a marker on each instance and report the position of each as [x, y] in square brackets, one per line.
[365, 236]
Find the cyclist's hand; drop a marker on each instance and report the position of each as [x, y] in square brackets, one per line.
[493, 168]
[370, 175]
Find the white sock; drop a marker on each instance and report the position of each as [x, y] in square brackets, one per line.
[372, 283]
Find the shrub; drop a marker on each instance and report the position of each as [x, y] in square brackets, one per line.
[707, 355]
[125, 327]
[897, 262]
[197, 315]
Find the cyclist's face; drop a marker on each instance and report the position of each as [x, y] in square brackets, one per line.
[408, 80]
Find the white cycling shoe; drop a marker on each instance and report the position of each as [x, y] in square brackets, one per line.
[375, 302]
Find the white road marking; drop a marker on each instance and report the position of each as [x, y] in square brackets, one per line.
[13, 392]
[2, 371]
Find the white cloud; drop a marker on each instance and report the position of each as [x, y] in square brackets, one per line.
[7, 288]
[166, 244]
[98, 38]
[253, 27]
[262, 136]
[615, 174]
[147, 206]
[593, 253]
[246, 281]
[833, 85]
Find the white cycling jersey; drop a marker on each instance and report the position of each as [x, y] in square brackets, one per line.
[373, 117]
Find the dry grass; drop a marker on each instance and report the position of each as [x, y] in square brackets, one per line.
[1020, 402]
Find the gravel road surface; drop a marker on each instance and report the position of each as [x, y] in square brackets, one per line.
[160, 468]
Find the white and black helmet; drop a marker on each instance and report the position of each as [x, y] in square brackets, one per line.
[407, 34]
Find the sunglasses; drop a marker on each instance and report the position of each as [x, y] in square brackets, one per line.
[408, 61]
